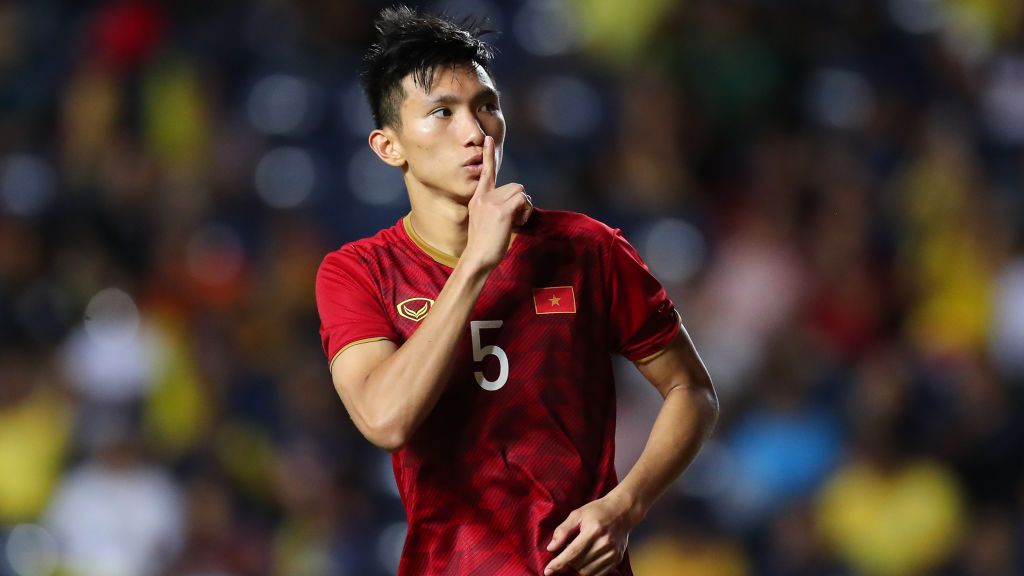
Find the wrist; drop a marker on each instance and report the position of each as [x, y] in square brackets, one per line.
[472, 270]
[475, 266]
[632, 505]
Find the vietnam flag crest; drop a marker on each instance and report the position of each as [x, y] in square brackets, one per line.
[554, 300]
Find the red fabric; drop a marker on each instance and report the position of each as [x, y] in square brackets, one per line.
[125, 33]
[491, 472]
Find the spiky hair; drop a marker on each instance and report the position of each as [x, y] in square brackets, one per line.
[410, 43]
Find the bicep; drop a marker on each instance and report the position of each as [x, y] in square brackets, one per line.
[678, 365]
[352, 367]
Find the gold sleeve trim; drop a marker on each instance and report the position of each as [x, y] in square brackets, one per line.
[675, 333]
[647, 359]
[351, 344]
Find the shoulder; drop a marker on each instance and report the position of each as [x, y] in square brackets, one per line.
[572, 226]
[360, 256]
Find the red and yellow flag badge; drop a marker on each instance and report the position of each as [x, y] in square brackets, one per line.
[554, 300]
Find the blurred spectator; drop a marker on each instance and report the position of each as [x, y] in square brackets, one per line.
[689, 553]
[35, 420]
[783, 447]
[115, 514]
[889, 510]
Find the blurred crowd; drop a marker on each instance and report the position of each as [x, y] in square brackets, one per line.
[831, 191]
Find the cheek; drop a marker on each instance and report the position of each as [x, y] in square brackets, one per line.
[496, 128]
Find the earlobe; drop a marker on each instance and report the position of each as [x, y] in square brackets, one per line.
[386, 147]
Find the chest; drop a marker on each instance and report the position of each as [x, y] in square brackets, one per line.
[541, 310]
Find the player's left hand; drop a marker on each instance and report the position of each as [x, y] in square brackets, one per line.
[601, 530]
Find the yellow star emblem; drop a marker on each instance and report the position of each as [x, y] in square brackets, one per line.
[555, 300]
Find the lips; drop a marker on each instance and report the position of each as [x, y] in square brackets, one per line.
[475, 160]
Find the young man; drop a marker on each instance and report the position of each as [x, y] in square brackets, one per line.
[472, 339]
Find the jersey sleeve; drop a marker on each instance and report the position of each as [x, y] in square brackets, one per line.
[643, 317]
[350, 310]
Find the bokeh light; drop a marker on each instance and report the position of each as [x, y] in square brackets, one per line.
[285, 177]
[674, 249]
[1003, 104]
[840, 98]
[372, 181]
[112, 357]
[566, 106]
[917, 16]
[280, 104]
[27, 184]
[32, 551]
[111, 318]
[546, 27]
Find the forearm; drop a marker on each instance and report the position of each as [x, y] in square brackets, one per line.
[403, 389]
[684, 422]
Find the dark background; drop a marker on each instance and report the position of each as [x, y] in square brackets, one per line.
[831, 191]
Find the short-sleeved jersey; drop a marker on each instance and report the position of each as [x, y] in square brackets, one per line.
[524, 432]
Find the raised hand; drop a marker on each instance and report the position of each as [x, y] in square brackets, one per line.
[493, 211]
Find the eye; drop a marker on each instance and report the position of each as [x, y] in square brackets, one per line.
[441, 113]
[490, 107]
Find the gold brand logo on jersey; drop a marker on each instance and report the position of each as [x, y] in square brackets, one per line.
[415, 309]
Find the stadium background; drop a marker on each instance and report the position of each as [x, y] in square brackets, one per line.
[831, 191]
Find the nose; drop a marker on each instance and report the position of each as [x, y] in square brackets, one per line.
[472, 132]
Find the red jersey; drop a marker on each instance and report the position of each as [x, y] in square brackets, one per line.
[524, 432]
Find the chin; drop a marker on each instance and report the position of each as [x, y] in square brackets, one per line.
[464, 193]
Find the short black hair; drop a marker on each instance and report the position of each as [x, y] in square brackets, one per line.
[410, 43]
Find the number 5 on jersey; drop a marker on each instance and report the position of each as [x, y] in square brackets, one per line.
[475, 326]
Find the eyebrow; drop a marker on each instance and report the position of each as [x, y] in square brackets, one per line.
[452, 99]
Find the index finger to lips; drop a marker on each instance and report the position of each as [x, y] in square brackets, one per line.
[487, 175]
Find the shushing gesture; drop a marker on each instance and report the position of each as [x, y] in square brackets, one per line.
[493, 211]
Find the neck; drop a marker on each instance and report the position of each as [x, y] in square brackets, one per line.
[441, 222]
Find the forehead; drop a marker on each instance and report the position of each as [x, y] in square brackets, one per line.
[460, 80]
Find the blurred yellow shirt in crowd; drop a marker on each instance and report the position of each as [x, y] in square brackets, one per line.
[886, 523]
[33, 439]
[948, 250]
[671, 556]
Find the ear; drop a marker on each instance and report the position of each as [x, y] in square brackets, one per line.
[385, 145]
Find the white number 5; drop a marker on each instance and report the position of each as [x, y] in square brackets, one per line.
[479, 354]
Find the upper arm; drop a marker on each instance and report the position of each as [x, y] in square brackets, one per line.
[677, 365]
[351, 368]
[356, 331]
